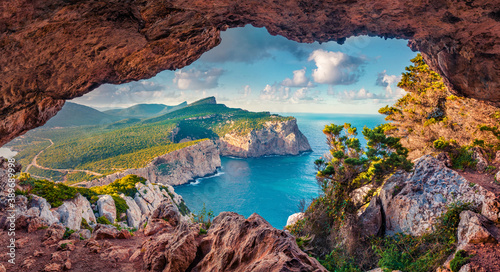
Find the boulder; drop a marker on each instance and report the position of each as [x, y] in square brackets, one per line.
[292, 219]
[142, 204]
[106, 207]
[105, 232]
[54, 233]
[474, 229]
[134, 213]
[43, 207]
[359, 196]
[413, 202]
[479, 155]
[36, 223]
[72, 211]
[234, 243]
[370, 221]
[167, 212]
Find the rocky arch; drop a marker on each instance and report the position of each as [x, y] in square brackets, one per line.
[52, 50]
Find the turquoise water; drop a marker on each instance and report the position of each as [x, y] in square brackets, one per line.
[270, 186]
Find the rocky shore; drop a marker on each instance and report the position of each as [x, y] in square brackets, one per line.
[174, 168]
[276, 138]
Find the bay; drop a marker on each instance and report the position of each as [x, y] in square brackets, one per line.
[270, 186]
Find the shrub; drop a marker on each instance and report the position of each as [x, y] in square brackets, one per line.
[54, 193]
[203, 217]
[443, 144]
[103, 220]
[67, 233]
[120, 204]
[460, 260]
[125, 185]
[461, 158]
[85, 225]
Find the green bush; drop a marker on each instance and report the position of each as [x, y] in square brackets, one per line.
[443, 144]
[203, 217]
[67, 233]
[103, 220]
[461, 158]
[339, 261]
[85, 225]
[460, 260]
[54, 193]
[120, 204]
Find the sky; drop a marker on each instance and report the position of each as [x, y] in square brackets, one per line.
[254, 70]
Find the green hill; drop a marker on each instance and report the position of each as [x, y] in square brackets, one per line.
[132, 143]
[73, 114]
[145, 110]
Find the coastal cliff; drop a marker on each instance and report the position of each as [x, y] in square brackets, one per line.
[174, 168]
[275, 138]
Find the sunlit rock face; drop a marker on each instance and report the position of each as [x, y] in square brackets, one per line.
[52, 50]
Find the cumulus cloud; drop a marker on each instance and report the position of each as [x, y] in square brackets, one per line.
[299, 79]
[389, 82]
[197, 79]
[274, 93]
[249, 44]
[281, 93]
[336, 68]
[112, 96]
[362, 94]
[247, 91]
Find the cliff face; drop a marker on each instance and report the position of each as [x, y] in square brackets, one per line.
[276, 138]
[175, 168]
[53, 50]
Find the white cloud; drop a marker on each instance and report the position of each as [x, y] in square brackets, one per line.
[195, 79]
[247, 91]
[279, 93]
[390, 82]
[274, 93]
[362, 94]
[299, 79]
[336, 68]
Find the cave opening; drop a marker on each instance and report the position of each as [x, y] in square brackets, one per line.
[317, 84]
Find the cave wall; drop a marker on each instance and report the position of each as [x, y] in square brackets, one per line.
[53, 50]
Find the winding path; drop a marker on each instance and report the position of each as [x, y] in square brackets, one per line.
[64, 171]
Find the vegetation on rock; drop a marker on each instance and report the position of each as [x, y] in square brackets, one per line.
[429, 119]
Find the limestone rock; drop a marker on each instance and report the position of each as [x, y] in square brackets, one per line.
[358, 196]
[168, 213]
[175, 168]
[44, 209]
[480, 156]
[134, 213]
[72, 211]
[292, 219]
[276, 138]
[472, 229]
[414, 203]
[35, 224]
[106, 207]
[370, 221]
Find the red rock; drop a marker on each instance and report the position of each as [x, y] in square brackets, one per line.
[51, 53]
[124, 234]
[35, 224]
[53, 267]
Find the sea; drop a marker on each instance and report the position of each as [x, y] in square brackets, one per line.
[274, 186]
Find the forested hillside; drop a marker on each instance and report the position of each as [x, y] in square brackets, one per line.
[79, 153]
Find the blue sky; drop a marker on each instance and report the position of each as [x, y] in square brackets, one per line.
[253, 70]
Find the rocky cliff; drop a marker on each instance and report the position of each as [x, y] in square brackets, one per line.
[174, 168]
[276, 138]
[51, 49]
